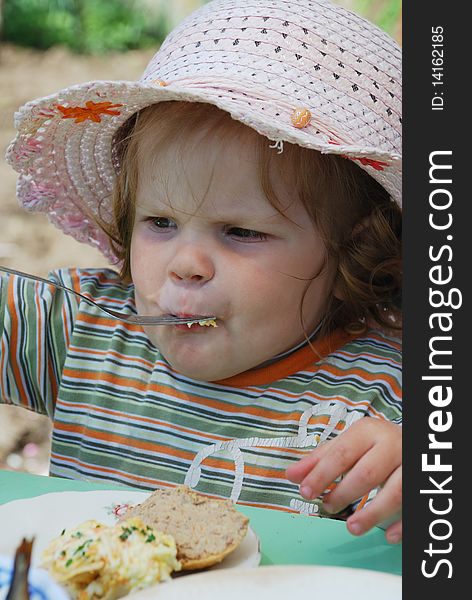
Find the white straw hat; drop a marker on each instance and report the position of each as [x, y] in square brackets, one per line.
[306, 72]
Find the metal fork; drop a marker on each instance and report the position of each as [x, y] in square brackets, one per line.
[135, 319]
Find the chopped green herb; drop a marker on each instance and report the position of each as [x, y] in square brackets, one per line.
[126, 533]
[63, 532]
[150, 538]
[63, 553]
[69, 562]
[77, 534]
[80, 548]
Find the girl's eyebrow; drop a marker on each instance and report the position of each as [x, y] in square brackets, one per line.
[248, 220]
[222, 216]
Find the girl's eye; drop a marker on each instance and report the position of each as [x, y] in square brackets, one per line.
[161, 223]
[248, 235]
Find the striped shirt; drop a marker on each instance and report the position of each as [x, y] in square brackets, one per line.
[121, 413]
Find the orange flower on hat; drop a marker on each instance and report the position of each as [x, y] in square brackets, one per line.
[92, 111]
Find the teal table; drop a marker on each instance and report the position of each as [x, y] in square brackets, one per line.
[286, 539]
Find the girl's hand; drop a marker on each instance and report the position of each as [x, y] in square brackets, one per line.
[368, 454]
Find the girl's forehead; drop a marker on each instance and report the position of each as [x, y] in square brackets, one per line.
[211, 172]
[196, 144]
[202, 160]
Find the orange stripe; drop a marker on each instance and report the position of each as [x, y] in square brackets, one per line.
[123, 358]
[362, 502]
[261, 472]
[3, 358]
[75, 279]
[106, 322]
[52, 379]
[377, 414]
[268, 506]
[89, 351]
[121, 440]
[83, 317]
[23, 396]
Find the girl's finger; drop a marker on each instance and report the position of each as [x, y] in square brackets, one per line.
[387, 503]
[299, 470]
[370, 471]
[341, 455]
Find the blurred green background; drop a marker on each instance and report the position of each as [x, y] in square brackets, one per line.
[100, 26]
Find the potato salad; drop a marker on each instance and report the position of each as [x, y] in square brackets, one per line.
[102, 562]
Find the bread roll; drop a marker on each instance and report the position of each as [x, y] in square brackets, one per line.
[205, 529]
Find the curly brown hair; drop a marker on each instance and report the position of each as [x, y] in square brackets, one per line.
[358, 221]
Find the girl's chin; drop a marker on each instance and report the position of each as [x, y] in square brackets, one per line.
[199, 372]
[197, 361]
[205, 356]
[209, 365]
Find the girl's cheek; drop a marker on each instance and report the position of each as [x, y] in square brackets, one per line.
[139, 257]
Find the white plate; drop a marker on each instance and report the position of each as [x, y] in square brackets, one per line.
[47, 515]
[279, 583]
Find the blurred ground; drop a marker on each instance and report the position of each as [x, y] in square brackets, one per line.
[28, 241]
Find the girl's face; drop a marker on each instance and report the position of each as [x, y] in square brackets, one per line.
[206, 241]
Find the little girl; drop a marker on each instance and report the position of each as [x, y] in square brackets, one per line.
[251, 175]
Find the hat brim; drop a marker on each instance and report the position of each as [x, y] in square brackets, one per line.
[62, 150]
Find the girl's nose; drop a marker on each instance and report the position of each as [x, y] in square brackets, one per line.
[191, 264]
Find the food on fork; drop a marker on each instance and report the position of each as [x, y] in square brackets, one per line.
[94, 561]
[205, 529]
[204, 322]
